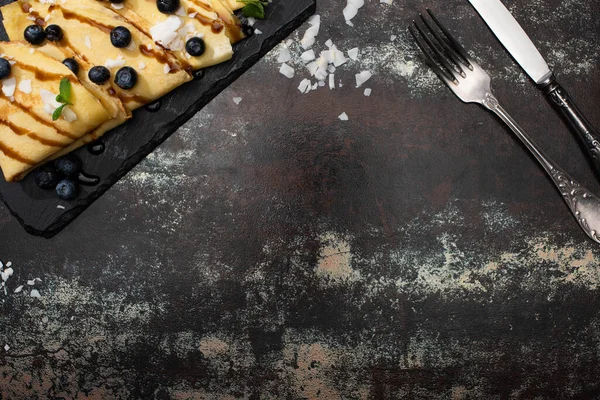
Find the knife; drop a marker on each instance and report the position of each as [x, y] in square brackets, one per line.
[519, 45]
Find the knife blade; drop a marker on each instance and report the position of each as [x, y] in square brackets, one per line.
[519, 45]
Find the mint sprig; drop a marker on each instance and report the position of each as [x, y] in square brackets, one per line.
[64, 97]
[254, 8]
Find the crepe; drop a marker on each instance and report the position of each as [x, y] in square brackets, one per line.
[193, 19]
[86, 25]
[28, 136]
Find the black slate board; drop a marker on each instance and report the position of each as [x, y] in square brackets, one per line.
[128, 144]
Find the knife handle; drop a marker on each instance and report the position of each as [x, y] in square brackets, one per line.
[562, 102]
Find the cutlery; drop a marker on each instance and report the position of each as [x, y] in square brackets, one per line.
[471, 84]
[519, 45]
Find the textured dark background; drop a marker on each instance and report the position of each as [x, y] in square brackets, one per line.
[270, 251]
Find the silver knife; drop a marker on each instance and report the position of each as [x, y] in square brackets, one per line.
[519, 45]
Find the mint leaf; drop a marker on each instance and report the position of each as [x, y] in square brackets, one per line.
[65, 91]
[58, 112]
[255, 10]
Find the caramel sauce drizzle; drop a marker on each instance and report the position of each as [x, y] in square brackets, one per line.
[15, 155]
[45, 75]
[20, 131]
[84, 20]
[42, 121]
[26, 8]
[161, 57]
[215, 25]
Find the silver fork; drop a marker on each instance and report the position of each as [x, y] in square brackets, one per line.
[471, 84]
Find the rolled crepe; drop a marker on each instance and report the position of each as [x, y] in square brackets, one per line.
[86, 25]
[28, 135]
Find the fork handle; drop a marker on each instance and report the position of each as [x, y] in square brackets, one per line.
[564, 104]
[584, 205]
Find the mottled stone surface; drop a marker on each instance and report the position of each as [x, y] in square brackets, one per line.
[269, 250]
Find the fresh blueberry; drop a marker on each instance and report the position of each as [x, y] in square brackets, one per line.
[167, 6]
[68, 165]
[4, 68]
[126, 78]
[54, 33]
[34, 34]
[99, 74]
[195, 47]
[46, 177]
[67, 189]
[247, 30]
[120, 37]
[72, 64]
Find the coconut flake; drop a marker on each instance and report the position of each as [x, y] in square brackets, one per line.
[110, 63]
[19, 289]
[304, 86]
[68, 114]
[287, 71]
[343, 116]
[141, 65]
[353, 54]
[237, 100]
[362, 78]
[258, 31]
[331, 81]
[25, 86]
[367, 92]
[8, 86]
[166, 69]
[49, 99]
[88, 42]
[166, 31]
[351, 9]
[6, 347]
[251, 21]
[308, 55]
[284, 55]
[117, 6]
[311, 33]
[181, 12]
[31, 282]
[35, 293]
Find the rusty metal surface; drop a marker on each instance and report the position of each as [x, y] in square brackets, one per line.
[269, 250]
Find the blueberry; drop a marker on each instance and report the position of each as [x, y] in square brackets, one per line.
[126, 78]
[120, 37]
[99, 74]
[167, 6]
[46, 177]
[247, 30]
[54, 33]
[68, 165]
[4, 68]
[34, 34]
[72, 64]
[67, 189]
[195, 47]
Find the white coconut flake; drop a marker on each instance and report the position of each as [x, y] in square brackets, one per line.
[25, 86]
[110, 63]
[362, 77]
[181, 12]
[31, 282]
[392, 38]
[166, 69]
[251, 21]
[351, 9]
[258, 31]
[287, 71]
[331, 81]
[284, 55]
[308, 55]
[35, 293]
[329, 43]
[367, 92]
[31, 51]
[141, 65]
[343, 116]
[68, 114]
[49, 100]
[237, 100]
[19, 289]
[304, 86]
[8, 86]
[60, 207]
[312, 68]
[88, 42]
[117, 6]
[353, 54]
[166, 32]
[6, 347]
[311, 33]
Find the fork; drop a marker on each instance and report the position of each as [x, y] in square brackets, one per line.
[471, 84]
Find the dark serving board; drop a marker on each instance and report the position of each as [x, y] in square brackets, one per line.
[128, 144]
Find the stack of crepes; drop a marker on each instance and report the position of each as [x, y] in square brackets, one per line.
[157, 51]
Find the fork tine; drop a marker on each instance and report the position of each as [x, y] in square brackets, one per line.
[442, 73]
[446, 47]
[439, 56]
[453, 42]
